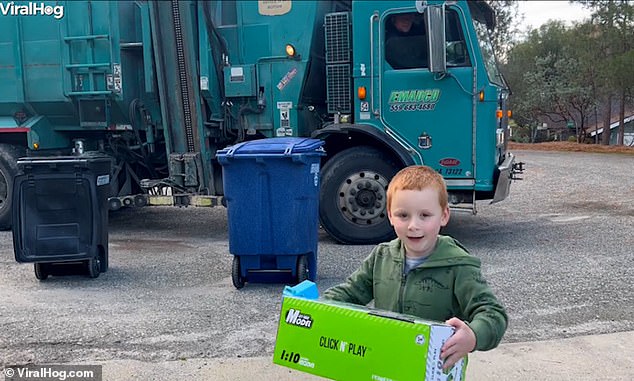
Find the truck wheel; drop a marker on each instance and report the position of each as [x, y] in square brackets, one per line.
[302, 268]
[353, 196]
[8, 168]
[41, 270]
[236, 274]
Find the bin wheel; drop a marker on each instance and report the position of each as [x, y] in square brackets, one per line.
[302, 268]
[236, 275]
[103, 260]
[41, 270]
[94, 267]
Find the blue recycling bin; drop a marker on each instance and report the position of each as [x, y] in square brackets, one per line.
[271, 187]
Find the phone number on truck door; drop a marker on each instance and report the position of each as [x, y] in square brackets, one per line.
[397, 107]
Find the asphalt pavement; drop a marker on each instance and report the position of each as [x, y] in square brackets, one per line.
[557, 253]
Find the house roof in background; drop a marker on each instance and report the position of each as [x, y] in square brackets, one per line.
[613, 125]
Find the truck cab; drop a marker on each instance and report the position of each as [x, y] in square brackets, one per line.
[429, 93]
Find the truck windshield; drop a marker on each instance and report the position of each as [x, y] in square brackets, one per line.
[488, 54]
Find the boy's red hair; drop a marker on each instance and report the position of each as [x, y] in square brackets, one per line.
[418, 177]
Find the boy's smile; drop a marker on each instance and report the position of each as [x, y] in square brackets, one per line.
[417, 217]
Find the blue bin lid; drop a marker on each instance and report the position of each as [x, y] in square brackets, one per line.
[282, 146]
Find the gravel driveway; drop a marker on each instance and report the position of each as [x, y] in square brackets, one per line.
[558, 253]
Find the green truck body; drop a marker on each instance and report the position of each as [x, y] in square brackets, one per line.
[161, 86]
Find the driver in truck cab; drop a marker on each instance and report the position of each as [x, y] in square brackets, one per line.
[405, 41]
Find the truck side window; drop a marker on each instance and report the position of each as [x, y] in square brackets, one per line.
[405, 41]
[457, 54]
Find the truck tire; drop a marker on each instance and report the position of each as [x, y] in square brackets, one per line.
[353, 196]
[9, 155]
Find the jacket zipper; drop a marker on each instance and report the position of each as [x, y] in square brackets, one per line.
[402, 289]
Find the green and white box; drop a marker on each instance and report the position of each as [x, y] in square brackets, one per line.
[343, 341]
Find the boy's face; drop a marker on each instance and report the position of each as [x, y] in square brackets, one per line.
[417, 217]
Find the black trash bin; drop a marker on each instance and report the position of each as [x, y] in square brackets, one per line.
[60, 213]
[272, 192]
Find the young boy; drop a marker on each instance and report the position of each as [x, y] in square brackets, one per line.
[425, 274]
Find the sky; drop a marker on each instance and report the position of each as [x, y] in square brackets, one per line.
[537, 13]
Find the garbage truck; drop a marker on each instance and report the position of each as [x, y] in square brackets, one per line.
[162, 86]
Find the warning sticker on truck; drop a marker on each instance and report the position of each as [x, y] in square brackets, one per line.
[286, 79]
[285, 121]
[284, 105]
[103, 180]
[284, 132]
[274, 7]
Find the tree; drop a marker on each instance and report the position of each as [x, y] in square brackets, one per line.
[587, 44]
[544, 72]
[506, 32]
[561, 73]
[615, 24]
[582, 74]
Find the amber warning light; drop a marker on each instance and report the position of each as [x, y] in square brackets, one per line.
[361, 92]
[290, 50]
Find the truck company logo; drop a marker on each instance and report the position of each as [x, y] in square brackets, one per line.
[342, 346]
[413, 100]
[31, 9]
[449, 162]
[295, 317]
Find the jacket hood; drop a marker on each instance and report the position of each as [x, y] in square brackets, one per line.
[448, 252]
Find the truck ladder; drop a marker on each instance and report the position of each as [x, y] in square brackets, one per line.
[79, 87]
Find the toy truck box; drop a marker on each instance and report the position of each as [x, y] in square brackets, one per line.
[348, 342]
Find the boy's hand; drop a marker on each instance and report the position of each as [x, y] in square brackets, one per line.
[459, 344]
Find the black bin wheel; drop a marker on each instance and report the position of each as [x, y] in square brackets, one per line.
[41, 270]
[302, 268]
[103, 260]
[94, 267]
[236, 275]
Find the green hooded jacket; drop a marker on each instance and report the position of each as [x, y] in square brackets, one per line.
[448, 284]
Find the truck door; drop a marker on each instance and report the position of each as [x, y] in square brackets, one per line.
[431, 114]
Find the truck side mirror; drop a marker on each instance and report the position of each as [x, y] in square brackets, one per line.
[435, 20]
